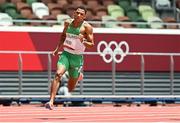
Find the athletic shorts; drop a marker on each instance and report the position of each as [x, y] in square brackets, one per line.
[72, 62]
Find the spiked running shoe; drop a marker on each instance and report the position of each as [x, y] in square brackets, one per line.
[49, 106]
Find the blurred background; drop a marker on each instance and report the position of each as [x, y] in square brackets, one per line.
[124, 13]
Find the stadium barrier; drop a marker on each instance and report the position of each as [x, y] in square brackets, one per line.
[113, 97]
[143, 43]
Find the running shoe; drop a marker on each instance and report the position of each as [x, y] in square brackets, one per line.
[49, 106]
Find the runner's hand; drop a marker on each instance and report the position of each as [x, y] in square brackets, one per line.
[81, 37]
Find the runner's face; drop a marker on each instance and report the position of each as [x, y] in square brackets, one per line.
[79, 14]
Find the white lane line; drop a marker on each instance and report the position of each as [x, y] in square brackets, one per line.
[16, 113]
[88, 122]
[96, 119]
[41, 116]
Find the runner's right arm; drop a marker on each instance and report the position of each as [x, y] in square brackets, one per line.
[63, 37]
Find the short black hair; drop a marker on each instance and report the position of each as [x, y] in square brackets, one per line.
[82, 7]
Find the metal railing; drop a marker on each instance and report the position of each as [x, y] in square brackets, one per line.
[102, 23]
[170, 55]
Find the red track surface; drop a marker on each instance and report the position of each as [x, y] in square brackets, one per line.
[95, 113]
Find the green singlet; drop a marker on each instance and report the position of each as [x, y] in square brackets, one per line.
[72, 62]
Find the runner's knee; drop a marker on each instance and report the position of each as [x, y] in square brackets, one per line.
[58, 76]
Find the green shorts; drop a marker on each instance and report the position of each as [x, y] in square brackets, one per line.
[72, 62]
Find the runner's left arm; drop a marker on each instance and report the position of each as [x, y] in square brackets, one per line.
[89, 41]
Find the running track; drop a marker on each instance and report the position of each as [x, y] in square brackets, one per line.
[95, 113]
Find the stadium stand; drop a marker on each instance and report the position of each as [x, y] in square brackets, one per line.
[54, 9]
[90, 13]
[77, 2]
[98, 20]
[125, 19]
[135, 10]
[163, 4]
[47, 1]
[170, 20]
[40, 9]
[115, 11]
[31, 1]
[24, 9]
[178, 3]
[5, 20]
[125, 4]
[107, 18]
[62, 17]
[101, 11]
[92, 3]
[15, 1]
[49, 17]
[62, 3]
[155, 23]
[133, 14]
[107, 2]
[2, 2]
[69, 10]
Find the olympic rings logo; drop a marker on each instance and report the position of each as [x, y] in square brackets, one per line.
[113, 53]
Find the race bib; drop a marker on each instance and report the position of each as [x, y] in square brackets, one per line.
[73, 44]
[71, 41]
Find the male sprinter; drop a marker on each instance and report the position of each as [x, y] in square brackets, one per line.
[76, 36]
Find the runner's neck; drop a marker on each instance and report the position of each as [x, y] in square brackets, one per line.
[76, 24]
